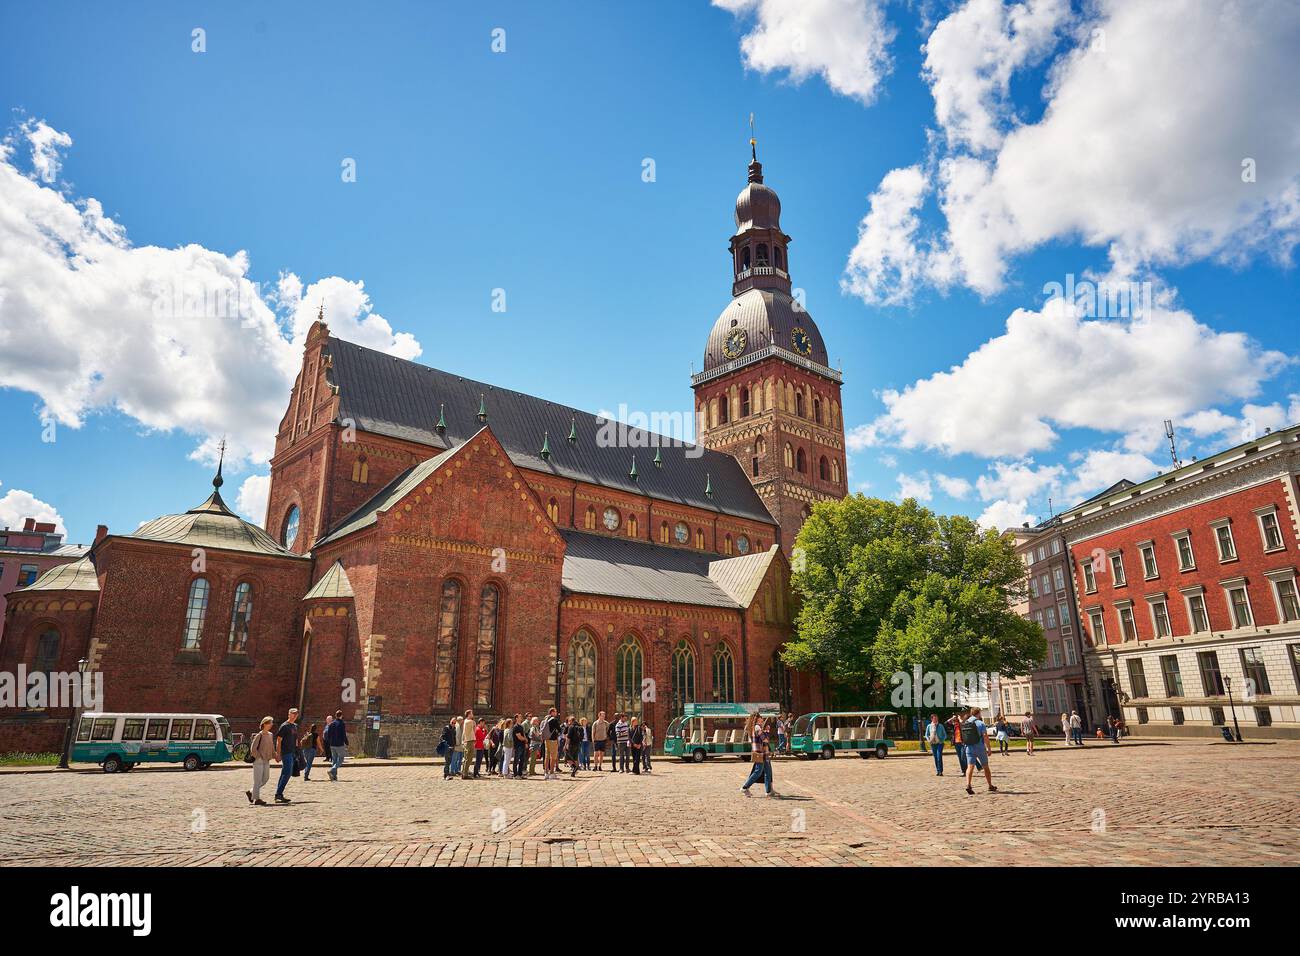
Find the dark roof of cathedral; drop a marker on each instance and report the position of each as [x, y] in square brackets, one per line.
[622, 567]
[390, 396]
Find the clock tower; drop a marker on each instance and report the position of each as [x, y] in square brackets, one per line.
[767, 394]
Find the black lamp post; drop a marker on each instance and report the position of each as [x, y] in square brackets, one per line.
[73, 715]
[1227, 683]
[559, 677]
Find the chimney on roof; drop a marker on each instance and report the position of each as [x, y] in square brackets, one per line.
[29, 524]
[101, 532]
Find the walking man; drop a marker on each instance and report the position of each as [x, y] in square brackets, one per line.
[286, 745]
[467, 745]
[954, 734]
[1076, 727]
[935, 735]
[551, 737]
[974, 738]
[336, 738]
[1029, 730]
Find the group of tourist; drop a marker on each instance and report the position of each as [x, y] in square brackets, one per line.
[970, 736]
[512, 747]
[295, 750]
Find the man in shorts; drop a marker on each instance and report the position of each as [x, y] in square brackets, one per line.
[974, 738]
[599, 737]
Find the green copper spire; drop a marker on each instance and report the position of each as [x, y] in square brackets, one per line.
[546, 446]
[708, 484]
[659, 458]
[573, 428]
[442, 419]
[632, 474]
[482, 408]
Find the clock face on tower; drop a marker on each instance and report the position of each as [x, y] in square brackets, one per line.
[799, 339]
[735, 344]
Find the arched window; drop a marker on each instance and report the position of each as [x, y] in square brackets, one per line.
[823, 469]
[744, 403]
[240, 619]
[798, 404]
[726, 544]
[553, 510]
[760, 447]
[683, 665]
[789, 455]
[361, 470]
[779, 682]
[778, 257]
[835, 470]
[724, 675]
[47, 652]
[663, 532]
[801, 461]
[444, 655]
[629, 665]
[817, 410]
[699, 538]
[631, 526]
[744, 259]
[760, 257]
[289, 530]
[489, 608]
[589, 522]
[582, 676]
[724, 409]
[195, 611]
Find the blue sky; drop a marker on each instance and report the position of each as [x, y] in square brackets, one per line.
[522, 170]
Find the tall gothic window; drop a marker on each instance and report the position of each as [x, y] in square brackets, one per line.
[582, 676]
[744, 403]
[817, 410]
[195, 611]
[744, 259]
[779, 682]
[724, 675]
[631, 526]
[801, 461]
[798, 404]
[761, 257]
[683, 689]
[726, 544]
[629, 666]
[663, 533]
[823, 469]
[699, 538]
[553, 510]
[444, 657]
[240, 619]
[47, 652]
[789, 455]
[489, 608]
[724, 408]
[778, 257]
[589, 522]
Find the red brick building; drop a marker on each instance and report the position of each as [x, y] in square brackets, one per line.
[435, 544]
[1187, 593]
[27, 553]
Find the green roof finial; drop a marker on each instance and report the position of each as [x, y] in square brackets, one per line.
[546, 446]
[708, 484]
[632, 474]
[482, 408]
[442, 419]
[573, 428]
[659, 458]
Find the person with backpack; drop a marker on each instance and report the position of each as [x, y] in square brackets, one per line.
[974, 739]
[309, 746]
[447, 748]
[1029, 730]
[935, 735]
[551, 738]
[336, 738]
[262, 749]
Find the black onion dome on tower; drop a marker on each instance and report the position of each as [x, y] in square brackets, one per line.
[757, 206]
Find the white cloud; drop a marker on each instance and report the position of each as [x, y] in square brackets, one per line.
[1017, 479]
[914, 486]
[953, 487]
[252, 498]
[1004, 514]
[844, 41]
[1099, 468]
[971, 56]
[1110, 163]
[1053, 369]
[17, 505]
[178, 338]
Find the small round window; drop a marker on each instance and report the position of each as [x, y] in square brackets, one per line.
[742, 544]
[681, 532]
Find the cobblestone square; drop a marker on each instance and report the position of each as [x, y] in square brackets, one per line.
[1154, 804]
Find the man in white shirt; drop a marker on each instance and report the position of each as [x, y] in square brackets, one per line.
[1076, 727]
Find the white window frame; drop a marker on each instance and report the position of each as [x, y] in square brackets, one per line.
[1033, 586]
[1063, 614]
[1229, 586]
[1097, 625]
[1143, 548]
[1058, 579]
[1120, 608]
[1056, 653]
[1051, 618]
[1089, 577]
[1056, 546]
[1118, 573]
[1270, 512]
[1215, 526]
[1197, 591]
[1275, 578]
[1070, 657]
[1153, 600]
[1184, 535]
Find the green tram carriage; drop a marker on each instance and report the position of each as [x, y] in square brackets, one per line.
[822, 735]
[711, 730]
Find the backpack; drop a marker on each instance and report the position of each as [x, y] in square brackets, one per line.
[970, 733]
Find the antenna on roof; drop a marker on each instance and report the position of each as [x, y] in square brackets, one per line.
[1050, 512]
[218, 481]
[753, 143]
[1173, 444]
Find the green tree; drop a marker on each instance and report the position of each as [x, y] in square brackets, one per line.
[886, 586]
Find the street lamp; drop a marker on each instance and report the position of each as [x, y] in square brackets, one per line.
[1227, 683]
[73, 715]
[559, 677]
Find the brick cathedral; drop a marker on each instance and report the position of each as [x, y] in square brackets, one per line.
[435, 543]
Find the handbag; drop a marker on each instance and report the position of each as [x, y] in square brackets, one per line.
[442, 748]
